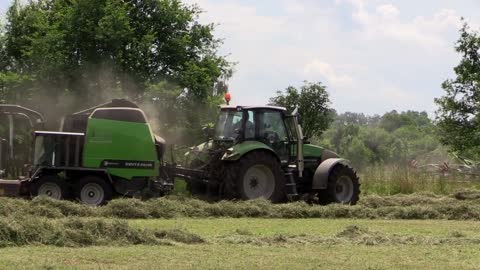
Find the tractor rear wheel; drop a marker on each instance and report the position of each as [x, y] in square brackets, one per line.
[258, 175]
[51, 186]
[343, 185]
[93, 191]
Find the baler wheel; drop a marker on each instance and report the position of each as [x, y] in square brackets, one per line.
[51, 186]
[93, 191]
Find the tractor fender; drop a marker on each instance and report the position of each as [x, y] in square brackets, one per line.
[320, 178]
[237, 151]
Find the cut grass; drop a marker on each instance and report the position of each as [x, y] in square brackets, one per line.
[463, 205]
[80, 232]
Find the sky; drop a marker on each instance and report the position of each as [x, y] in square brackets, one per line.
[372, 55]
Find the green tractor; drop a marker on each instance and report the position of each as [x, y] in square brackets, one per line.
[102, 152]
[260, 152]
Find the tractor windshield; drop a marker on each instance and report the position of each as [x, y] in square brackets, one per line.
[229, 125]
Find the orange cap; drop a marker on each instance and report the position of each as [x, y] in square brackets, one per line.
[228, 97]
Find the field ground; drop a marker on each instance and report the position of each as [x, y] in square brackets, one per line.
[250, 243]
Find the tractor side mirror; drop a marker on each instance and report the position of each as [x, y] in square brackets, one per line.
[209, 132]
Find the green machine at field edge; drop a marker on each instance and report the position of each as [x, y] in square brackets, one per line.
[105, 151]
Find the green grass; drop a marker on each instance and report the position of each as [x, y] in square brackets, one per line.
[244, 257]
[224, 248]
[396, 179]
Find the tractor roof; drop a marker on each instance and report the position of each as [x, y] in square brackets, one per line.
[268, 107]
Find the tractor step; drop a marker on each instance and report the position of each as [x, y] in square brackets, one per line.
[290, 186]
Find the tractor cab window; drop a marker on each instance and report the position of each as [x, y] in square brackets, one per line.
[229, 121]
[272, 128]
[229, 125]
[250, 125]
[272, 132]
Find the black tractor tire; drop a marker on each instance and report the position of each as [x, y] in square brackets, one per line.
[256, 175]
[343, 185]
[93, 191]
[51, 186]
[195, 187]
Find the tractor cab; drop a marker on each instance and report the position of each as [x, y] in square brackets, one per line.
[268, 125]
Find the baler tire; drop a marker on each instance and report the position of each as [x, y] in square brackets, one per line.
[51, 186]
[343, 182]
[89, 187]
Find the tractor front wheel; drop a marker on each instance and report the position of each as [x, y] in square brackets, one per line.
[258, 175]
[343, 185]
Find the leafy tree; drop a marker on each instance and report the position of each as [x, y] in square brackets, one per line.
[393, 138]
[358, 153]
[314, 106]
[351, 118]
[458, 115]
[394, 120]
[342, 135]
[92, 50]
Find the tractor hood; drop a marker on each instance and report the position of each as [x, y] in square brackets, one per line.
[311, 151]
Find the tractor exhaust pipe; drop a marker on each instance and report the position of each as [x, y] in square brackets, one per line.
[298, 129]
